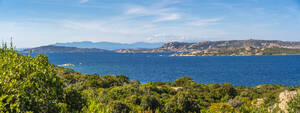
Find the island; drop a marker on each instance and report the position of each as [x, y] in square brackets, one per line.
[250, 51]
[204, 48]
[217, 45]
[55, 49]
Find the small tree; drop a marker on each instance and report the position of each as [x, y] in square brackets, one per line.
[184, 81]
[183, 102]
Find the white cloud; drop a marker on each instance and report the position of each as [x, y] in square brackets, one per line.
[161, 11]
[204, 22]
[136, 10]
[168, 17]
[83, 1]
[164, 37]
[123, 27]
[82, 25]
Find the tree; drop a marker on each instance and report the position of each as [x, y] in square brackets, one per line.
[150, 102]
[28, 83]
[183, 102]
[222, 92]
[184, 81]
[75, 101]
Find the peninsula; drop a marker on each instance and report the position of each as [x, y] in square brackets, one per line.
[55, 49]
[217, 45]
[250, 51]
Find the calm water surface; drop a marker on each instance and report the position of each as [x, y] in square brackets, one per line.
[146, 67]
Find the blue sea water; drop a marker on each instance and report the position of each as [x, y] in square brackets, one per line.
[148, 67]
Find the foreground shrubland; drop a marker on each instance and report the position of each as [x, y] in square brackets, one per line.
[32, 84]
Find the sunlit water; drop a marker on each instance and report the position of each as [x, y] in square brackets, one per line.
[146, 67]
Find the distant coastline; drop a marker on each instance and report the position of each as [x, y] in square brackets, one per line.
[55, 49]
[204, 48]
[216, 45]
[242, 52]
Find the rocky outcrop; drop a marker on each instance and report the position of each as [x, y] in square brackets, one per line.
[259, 102]
[284, 98]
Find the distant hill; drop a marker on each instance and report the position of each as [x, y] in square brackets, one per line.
[242, 52]
[110, 45]
[205, 45]
[54, 49]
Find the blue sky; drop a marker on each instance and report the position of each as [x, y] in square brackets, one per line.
[40, 22]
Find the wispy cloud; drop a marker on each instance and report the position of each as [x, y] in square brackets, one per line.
[204, 22]
[147, 20]
[168, 17]
[166, 37]
[137, 10]
[82, 25]
[197, 35]
[83, 1]
[161, 11]
[112, 26]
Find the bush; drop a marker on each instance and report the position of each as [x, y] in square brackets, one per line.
[150, 102]
[118, 107]
[74, 100]
[220, 108]
[183, 102]
[184, 81]
[294, 105]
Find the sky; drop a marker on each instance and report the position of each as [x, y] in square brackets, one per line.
[33, 23]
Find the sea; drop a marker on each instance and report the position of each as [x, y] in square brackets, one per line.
[151, 67]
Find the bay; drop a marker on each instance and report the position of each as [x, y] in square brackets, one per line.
[150, 67]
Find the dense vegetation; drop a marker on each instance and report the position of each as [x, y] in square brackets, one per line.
[32, 84]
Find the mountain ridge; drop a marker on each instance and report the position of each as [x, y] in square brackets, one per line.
[110, 45]
[178, 46]
[226, 44]
[54, 49]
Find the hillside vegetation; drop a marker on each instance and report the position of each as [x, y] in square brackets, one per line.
[242, 52]
[33, 85]
[215, 45]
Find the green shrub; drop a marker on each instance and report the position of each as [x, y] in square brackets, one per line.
[184, 81]
[294, 105]
[118, 107]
